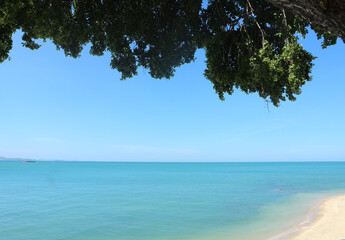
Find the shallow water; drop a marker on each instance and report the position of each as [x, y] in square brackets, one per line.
[151, 201]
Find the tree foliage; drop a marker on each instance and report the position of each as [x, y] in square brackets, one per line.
[251, 45]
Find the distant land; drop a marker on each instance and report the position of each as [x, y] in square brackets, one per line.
[16, 159]
[28, 159]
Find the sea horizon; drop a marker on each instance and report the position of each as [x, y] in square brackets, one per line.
[9, 159]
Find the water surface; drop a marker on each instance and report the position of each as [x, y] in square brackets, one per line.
[155, 201]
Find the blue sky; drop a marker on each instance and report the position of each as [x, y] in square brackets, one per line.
[53, 107]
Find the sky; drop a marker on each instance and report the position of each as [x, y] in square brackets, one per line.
[54, 107]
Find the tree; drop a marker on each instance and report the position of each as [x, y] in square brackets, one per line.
[250, 44]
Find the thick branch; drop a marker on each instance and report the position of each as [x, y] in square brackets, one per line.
[325, 14]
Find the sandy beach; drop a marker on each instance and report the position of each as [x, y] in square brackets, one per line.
[329, 223]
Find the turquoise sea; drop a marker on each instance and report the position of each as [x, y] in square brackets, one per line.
[159, 201]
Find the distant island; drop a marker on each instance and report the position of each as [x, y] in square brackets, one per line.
[17, 159]
[7, 159]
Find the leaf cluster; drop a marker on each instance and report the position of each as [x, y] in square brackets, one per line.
[250, 44]
[158, 35]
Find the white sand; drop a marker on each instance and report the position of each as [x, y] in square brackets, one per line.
[329, 224]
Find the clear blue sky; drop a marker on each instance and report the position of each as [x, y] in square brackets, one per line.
[53, 107]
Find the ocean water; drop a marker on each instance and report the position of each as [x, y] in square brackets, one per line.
[159, 201]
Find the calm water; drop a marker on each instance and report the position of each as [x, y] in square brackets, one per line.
[158, 201]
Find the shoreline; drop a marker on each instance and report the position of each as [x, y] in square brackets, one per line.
[325, 220]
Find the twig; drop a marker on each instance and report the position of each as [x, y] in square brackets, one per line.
[286, 25]
[260, 28]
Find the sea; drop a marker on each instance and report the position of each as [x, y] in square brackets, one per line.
[161, 201]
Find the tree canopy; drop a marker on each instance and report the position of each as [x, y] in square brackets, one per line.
[251, 45]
